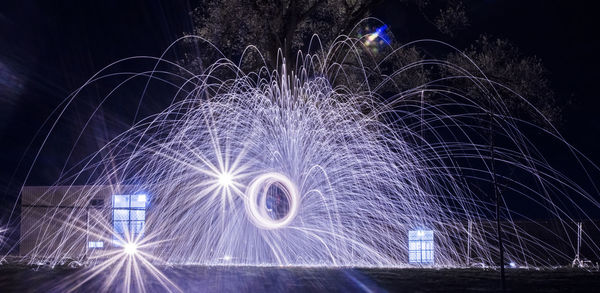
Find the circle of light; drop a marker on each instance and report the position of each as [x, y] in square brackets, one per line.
[256, 207]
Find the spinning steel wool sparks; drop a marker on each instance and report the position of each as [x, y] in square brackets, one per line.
[307, 167]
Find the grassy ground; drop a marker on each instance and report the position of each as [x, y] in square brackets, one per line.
[270, 279]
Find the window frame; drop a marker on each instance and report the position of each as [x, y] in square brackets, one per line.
[421, 247]
[130, 227]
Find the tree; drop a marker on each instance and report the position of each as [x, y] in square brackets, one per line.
[288, 25]
[503, 63]
[272, 25]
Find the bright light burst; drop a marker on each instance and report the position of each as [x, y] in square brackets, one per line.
[130, 248]
[311, 168]
[225, 179]
[374, 38]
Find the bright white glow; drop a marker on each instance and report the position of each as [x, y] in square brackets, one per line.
[256, 200]
[227, 258]
[130, 248]
[225, 179]
[141, 197]
[373, 36]
[512, 264]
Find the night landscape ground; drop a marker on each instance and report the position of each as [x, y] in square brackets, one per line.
[272, 279]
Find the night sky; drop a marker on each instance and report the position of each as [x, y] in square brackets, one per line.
[47, 50]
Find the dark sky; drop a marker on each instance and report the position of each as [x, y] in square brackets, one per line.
[563, 34]
[48, 49]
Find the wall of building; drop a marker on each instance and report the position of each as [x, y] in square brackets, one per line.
[59, 221]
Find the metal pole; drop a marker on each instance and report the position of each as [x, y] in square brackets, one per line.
[577, 259]
[422, 103]
[578, 238]
[497, 196]
[87, 229]
[470, 232]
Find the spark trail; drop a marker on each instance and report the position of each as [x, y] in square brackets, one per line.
[329, 164]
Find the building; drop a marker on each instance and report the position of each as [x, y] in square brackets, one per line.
[72, 221]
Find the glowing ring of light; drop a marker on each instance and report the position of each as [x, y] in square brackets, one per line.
[256, 200]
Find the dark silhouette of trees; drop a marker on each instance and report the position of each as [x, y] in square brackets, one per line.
[288, 25]
[503, 63]
[272, 25]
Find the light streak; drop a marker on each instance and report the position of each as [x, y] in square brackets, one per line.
[351, 174]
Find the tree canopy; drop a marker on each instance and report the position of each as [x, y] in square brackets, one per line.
[272, 25]
[288, 25]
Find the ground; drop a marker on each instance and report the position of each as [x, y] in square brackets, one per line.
[272, 279]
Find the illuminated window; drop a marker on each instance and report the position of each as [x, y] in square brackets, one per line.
[420, 247]
[129, 215]
[95, 244]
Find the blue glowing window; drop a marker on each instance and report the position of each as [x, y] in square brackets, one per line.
[420, 247]
[129, 216]
[95, 244]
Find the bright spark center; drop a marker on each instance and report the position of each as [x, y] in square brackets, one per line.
[225, 179]
[130, 248]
